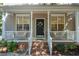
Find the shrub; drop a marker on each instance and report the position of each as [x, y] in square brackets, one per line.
[11, 46]
[71, 46]
[3, 43]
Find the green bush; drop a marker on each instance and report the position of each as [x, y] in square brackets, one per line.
[0, 23]
[3, 43]
[71, 46]
[11, 46]
[60, 47]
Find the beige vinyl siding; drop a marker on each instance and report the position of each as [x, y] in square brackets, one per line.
[10, 23]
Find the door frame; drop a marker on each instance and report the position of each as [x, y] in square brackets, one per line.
[44, 28]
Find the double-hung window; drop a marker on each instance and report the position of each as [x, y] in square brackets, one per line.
[23, 22]
[57, 22]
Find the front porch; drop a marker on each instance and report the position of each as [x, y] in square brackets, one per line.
[57, 26]
[40, 25]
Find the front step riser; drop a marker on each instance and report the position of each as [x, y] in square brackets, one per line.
[39, 48]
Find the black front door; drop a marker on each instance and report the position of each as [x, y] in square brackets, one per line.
[40, 27]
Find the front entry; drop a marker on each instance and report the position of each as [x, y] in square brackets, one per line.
[40, 28]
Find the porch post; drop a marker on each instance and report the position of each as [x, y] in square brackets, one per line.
[30, 40]
[49, 40]
[4, 16]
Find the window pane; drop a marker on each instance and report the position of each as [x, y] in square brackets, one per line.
[60, 19]
[19, 20]
[19, 27]
[60, 27]
[53, 20]
[26, 27]
[26, 20]
[54, 27]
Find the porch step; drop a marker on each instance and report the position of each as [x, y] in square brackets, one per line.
[22, 48]
[40, 48]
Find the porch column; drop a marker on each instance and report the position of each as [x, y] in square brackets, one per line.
[30, 40]
[77, 25]
[49, 39]
[4, 16]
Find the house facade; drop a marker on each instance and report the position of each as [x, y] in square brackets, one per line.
[52, 23]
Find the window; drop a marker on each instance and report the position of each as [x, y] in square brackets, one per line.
[19, 27]
[23, 22]
[57, 22]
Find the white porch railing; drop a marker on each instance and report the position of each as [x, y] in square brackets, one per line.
[59, 35]
[70, 35]
[17, 34]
